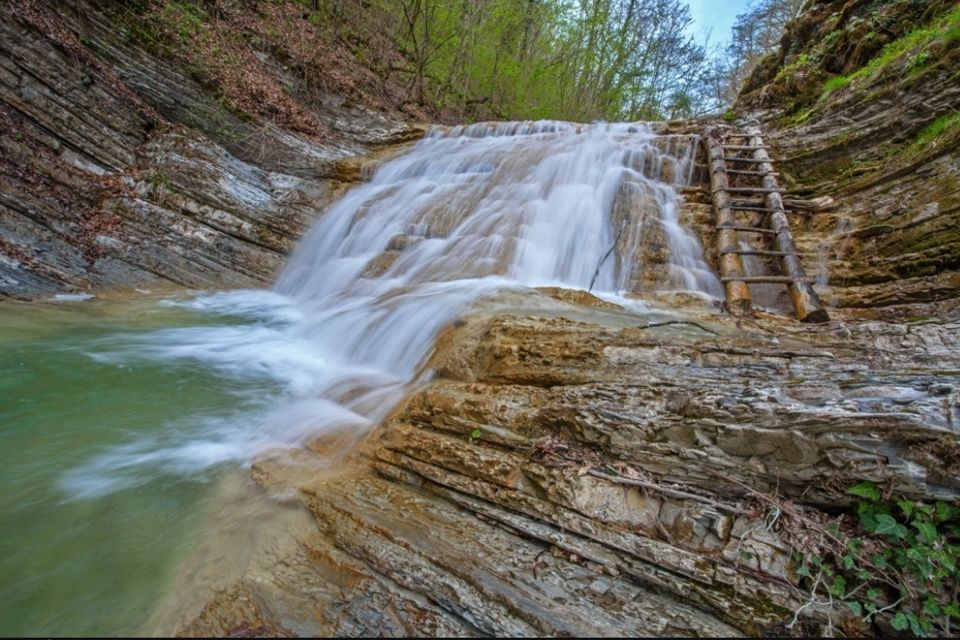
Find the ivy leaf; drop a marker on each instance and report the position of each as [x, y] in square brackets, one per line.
[952, 610]
[838, 587]
[931, 607]
[847, 561]
[888, 526]
[863, 574]
[873, 594]
[899, 621]
[855, 607]
[879, 561]
[927, 531]
[906, 506]
[804, 571]
[865, 490]
[943, 510]
[916, 625]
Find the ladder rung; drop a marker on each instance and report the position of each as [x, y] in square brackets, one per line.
[754, 160]
[736, 204]
[767, 279]
[766, 210]
[744, 147]
[750, 190]
[736, 227]
[744, 172]
[755, 252]
[760, 209]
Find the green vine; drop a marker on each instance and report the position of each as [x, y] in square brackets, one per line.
[899, 567]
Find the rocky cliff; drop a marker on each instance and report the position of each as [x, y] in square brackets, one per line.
[118, 168]
[862, 103]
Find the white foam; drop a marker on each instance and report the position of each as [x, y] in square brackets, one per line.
[73, 297]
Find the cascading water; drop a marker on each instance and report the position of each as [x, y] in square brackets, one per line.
[468, 211]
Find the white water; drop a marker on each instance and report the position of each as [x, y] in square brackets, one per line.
[468, 212]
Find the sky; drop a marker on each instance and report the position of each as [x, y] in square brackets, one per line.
[715, 15]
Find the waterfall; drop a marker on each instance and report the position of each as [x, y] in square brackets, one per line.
[467, 212]
[477, 207]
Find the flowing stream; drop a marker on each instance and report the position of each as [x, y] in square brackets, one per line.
[116, 415]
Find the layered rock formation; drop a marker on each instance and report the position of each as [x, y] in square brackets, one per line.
[583, 470]
[861, 104]
[117, 169]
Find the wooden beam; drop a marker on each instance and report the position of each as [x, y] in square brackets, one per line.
[731, 265]
[766, 210]
[753, 160]
[753, 190]
[743, 172]
[737, 227]
[742, 147]
[805, 299]
[755, 252]
[772, 280]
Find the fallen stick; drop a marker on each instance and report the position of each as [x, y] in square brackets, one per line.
[676, 493]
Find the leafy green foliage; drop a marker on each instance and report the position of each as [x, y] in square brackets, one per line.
[569, 59]
[475, 435]
[903, 564]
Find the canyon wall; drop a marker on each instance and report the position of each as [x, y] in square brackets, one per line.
[862, 104]
[119, 169]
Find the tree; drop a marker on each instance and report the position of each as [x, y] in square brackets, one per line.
[755, 33]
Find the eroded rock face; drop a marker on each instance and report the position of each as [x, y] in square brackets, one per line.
[118, 170]
[860, 104]
[609, 475]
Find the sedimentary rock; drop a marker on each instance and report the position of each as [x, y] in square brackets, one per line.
[613, 474]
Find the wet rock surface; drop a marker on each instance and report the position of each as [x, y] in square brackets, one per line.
[590, 471]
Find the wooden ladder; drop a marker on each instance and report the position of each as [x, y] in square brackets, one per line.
[752, 168]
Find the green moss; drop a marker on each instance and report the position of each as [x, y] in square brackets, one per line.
[729, 116]
[802, 62]
[832, 37]
[941, 127]
[795, 118]
[186, 18]
[946, 28]
[835, 83]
